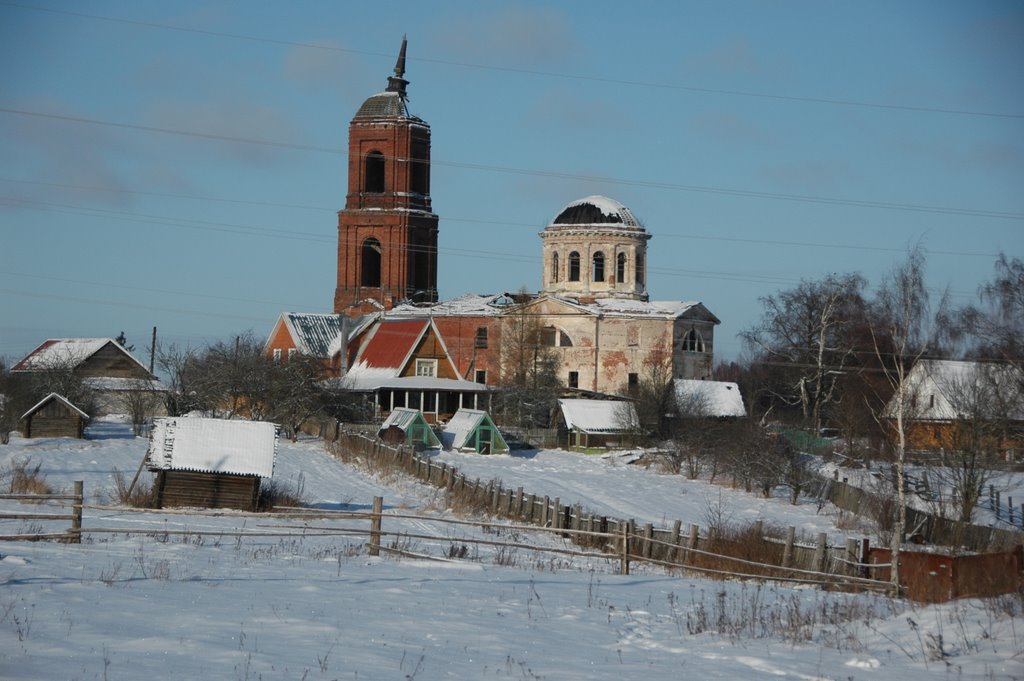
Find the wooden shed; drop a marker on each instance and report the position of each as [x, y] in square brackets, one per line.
[211, 463]
[596, 423]
[408, 426]
[472, 430]
[54, 416]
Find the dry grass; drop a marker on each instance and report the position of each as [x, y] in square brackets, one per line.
[21, 477]
[142, 495]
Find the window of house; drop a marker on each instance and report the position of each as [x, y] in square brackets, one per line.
[574, 379]
[693, 342]
[371, 263]
[373, 176]
[277, 354]
[481, 337]
[574, 266]
[554, 268]
[291, 352]
[633, 381]
[597, 273]
[620, 268]
[481, 376]
[426, 367]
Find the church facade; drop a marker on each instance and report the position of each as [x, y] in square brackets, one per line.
[593, 313]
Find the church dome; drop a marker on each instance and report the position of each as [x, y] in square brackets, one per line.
[384, 105]
[596, 212]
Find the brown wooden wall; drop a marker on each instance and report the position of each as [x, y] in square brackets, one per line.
[207, 490]
[935, 578]
[53, 419]
[110, 361]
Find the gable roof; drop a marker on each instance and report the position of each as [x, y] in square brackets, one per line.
[599, 416]
[412, 422]
[461, 427]
[698, 399]
[59, 398]
[628, 308]
[390, 343]
[945, 390]
[213, 446]
[314, 334]
[60, 352]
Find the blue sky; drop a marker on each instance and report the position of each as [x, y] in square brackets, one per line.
[760, 143]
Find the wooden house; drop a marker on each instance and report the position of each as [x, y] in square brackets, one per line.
[104, 365]
[211, 463]
[54, 416]
[472, 430]
[596, 423]
[955, 405]
[405, 363]
[407, 426]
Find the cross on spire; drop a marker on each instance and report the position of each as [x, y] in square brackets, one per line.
[397, 82]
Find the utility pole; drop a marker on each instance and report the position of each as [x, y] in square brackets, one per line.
[152, 352]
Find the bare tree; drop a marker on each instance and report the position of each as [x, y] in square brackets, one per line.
[805, 333]
[139, 401]
[529, 386]
[901, 330]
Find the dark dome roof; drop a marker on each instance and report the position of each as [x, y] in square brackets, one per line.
[598, 212]
[384, 105]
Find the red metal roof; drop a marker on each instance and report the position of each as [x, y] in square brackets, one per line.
[390, 346]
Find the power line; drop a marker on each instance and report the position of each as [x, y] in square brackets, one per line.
[530, 72]
[724, 191]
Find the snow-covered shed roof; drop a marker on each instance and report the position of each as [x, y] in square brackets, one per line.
[68, 352]
[459, 430]
[213, 446]
[468, 305]
[708, 398]
[599, 416]
[59, 398]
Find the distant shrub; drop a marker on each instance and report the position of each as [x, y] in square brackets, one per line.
[21, 477]
[275, 493]
[142, 495]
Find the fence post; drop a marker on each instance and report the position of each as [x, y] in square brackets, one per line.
[1009, 507]
[76, 519]
[375, 522]
[648, 536]
[673, 554]
[624, 555]
[691, 542]
[851, 556]
[787, 552]
[519, 502]
[999, 503]
[820, 553]
[531, 502]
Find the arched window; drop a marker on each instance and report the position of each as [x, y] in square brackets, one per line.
[553, 337]
[640, 269]
[574, 266]
[620, 268]
[693, 342]
[371, 263]
[598, 271]
[373, 175]
[554, 268]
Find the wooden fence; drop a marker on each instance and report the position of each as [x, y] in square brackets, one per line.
[746, 553]
[72, 535]
[931, 528]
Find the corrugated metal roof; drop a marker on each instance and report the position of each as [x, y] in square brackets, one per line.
[315, 334]
[213, 446]
[599, 416]
[391, 343]
[58, 352]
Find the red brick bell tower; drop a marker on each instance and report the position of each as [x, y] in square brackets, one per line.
[387, 233]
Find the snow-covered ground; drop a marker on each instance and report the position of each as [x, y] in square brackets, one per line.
[189, 606]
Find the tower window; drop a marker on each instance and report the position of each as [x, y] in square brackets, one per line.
[574, 379]
[371, 263]
[640, 269]
[693, 342]
[373, 175]
[574, 266]
[598, 271]
[620, 268]
[420, 183]
[481, 337]
[554, 268]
